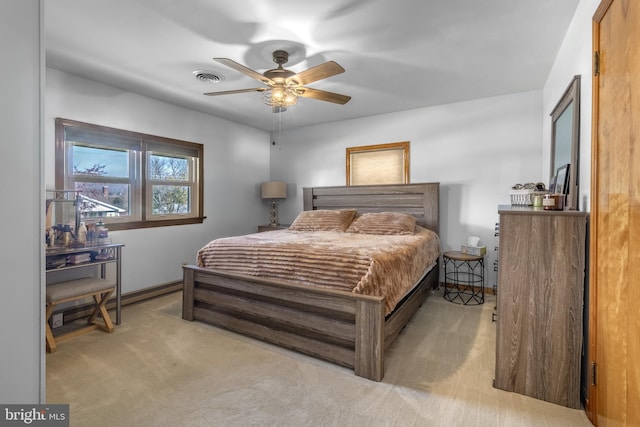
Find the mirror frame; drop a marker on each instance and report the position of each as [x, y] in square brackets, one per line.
[569, 97]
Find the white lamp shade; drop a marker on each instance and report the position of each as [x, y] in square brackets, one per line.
[274, 190]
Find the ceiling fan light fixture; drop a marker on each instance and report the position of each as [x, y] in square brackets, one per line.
[280, 96]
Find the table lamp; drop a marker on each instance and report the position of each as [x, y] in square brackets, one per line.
[274, 190]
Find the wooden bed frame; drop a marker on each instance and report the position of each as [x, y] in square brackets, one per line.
[340, 327]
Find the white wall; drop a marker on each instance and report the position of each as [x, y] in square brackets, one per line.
[477, 150]
[21, 301]
[236, 162]
[574, 58]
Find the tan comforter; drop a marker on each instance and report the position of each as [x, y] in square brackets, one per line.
[382, 265]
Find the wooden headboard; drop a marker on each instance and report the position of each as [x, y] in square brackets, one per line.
[419, 200]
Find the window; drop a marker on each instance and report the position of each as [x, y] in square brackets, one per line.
[378, 164]
[135, 180]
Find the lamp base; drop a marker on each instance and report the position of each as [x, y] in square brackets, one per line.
[274, 221]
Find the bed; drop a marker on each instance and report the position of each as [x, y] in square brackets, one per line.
[343, 327]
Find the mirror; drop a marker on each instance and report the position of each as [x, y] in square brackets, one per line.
[565, 139]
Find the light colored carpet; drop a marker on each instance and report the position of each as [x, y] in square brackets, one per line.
[159, 370]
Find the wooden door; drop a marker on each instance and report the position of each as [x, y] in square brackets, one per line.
[615, 216]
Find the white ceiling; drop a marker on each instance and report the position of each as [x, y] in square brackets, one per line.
[398, 54]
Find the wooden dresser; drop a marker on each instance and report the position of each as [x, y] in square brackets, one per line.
[540, 297]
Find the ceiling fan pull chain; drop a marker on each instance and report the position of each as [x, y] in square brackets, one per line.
[280, 128]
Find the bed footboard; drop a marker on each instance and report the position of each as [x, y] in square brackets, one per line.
[341, 327]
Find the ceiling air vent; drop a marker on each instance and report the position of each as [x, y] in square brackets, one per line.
[208, 76]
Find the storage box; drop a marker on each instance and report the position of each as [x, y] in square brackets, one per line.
[79, 258]
[474, 250]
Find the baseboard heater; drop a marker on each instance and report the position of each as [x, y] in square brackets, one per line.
[84, 310]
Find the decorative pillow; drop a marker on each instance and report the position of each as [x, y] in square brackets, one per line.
[383, 223]
[323, 220]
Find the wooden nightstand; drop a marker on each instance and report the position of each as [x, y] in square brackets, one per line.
[269, 227]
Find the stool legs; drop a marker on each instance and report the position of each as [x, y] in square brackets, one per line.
[100, 308]
[100, 298]
[51, 342]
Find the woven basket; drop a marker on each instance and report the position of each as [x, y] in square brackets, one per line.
[524, 197]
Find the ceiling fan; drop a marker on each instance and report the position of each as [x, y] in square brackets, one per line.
[285, 86]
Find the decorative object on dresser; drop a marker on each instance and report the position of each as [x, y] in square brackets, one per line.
[344, 327]
[274, 191]
[562, 179]
[524, 194]
[539, 324]
[553, 202]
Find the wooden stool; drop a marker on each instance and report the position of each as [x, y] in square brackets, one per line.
[72, 290]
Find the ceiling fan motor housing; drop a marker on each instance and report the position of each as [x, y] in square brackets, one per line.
[279, 74]
[280, 57]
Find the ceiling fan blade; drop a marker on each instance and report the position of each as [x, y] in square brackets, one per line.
[316, 73]
[230, 92]
[322, 95]
[244, 70]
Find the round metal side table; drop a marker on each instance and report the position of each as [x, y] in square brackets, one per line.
[463, 278]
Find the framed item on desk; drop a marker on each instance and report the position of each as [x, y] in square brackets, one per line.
[562, 180]
[552, 184]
